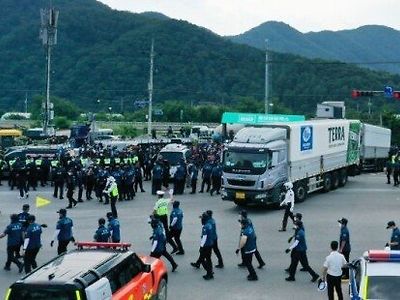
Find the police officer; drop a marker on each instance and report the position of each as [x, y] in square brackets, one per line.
[215, 248]
[299, 249]
[297, 217]
[206, 244]
[23, 217]
[176, 226]
[396, 168]
[244, 216]
[31, 173]
[138, 178]
[111, 190]
[90, 181]
[45, 170]
[14, 240]
[113, 228]
[158, 247]
[32, 244]
[71, 183]
[206, 177]
[344, 244]
[160, 212]
[166, 173]
[193, 173]
[248, 244]
[394, 243]
[288, 203]
[157, 177]
[102, 234]
[179, 178]
[216, 174]
[59, 178]
[64, 232]
[21, 178]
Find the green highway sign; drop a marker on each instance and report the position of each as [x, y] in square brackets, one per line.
[258, 119]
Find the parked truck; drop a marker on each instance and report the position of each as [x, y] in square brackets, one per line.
[375, 147]
[315, 155]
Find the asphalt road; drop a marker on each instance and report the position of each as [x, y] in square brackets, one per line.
[366, 201]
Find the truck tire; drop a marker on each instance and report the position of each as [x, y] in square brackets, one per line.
[300, 192]
[335, 180]
[162, 290]
[327, 183]
[342, 177]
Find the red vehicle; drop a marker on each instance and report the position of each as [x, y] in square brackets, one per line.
[95, 271]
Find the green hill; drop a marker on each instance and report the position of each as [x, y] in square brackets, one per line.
[104, 54]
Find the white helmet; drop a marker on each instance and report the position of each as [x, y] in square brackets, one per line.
[111, 179]
[288, 185]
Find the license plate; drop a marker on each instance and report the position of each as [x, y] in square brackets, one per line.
[240, 196]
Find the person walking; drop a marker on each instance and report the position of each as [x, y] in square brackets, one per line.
[102, 234]
[288, 204]
[176, 226]
[138, 178]
[71, 183]
[332, 271]
[14, 239]
[111, 190]
[158, 247]
[32, 244]
[247, 245]
[59, 179]
[206, 177]
[114, 228]
[216, 175]
[299, 253]
[157, 176]
[64, 232]
[344, 244]
[193, 173]
[215, 248]
[394, 243]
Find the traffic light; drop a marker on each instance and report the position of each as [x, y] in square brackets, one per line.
[396, 95]
[357, 93]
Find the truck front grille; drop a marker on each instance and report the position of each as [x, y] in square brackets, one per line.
[237, 182]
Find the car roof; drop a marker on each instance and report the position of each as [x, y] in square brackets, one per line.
[66, 268]
[174, 148]
[383, 268]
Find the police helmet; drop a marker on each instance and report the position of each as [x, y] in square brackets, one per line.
[288, 185]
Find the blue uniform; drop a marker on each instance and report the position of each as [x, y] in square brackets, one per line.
[207, 170]
[345, 237]
[395, 238]
[102, 234]
[208, 231]
[177, 213]
[159, 237]
[14, 234]
[213, 229]
[301, 237]
[157, 172]
[65, 225]
[250, 245]
[33, 233]
[180, 172]
[113, 227]
[22, 217]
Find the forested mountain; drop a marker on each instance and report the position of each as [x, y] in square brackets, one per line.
[104, 54]
[372, 43]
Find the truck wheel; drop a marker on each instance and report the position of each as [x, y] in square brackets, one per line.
[327, 183]
[162, 290]
[342, 177]
[300, 192]
[335, 180]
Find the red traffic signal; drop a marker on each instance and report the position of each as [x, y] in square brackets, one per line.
[357, 93]
[396, 95]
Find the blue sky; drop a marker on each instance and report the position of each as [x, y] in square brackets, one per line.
[228, 17]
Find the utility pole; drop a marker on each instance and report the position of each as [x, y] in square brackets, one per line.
[151, 87]
[266, 77]
[48, 35]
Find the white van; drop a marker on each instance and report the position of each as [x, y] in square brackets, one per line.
[174, 153]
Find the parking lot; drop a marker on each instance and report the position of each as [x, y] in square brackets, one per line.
[367, 201]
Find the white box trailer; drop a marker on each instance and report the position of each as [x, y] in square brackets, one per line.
[375, 147]
[314, 155]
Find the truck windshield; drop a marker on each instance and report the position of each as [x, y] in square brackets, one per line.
[38, 293]
[172, 157]
[246, 162]
[383, 287]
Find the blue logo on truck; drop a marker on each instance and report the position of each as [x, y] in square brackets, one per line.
[306, 138]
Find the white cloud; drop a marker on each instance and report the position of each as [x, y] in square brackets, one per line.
[236, 16]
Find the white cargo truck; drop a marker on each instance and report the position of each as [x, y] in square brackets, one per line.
[314, 155]
[375, 147]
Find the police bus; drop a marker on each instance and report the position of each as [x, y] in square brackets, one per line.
[94, 271]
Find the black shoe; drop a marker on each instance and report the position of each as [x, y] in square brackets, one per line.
[219, 266]
[75, 203]
[69, 206]
[290, 279]
[287, 270]
[201, 192]
[282, 229]
[252, 278]
[303, 270]
[208, 277]
[180, 253]
[61, 198]
[195, 265]
[142, 191]
[106, 203]
[241, 265]
[261, 266]
[80, 200]
[20, 268]
[174, 251]
[7, 268]
[192, 193]
[315, 278]
[174, 268]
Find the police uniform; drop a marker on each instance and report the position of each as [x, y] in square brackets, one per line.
[216, 174]
[179, 179]
[194, 173]
[114, 229]
[176, 226]
[249, 248]
[157, 178]
[138, 178]
[344, 238]
[14, 241]
[32, 246]
[161, 213]
[112, 190]
[206, 177]
[158, 248]
[59, 179]
[207, 240]
[71, 183]
[395, 238]
[288, 203]
[64, 230]
[215, 241]
[102, 234]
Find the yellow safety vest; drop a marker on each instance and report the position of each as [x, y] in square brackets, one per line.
[162, 207]
[54, 163]
[114, 192]
[135, 159]
[107, 161]
[38, 162]
[117, 160]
